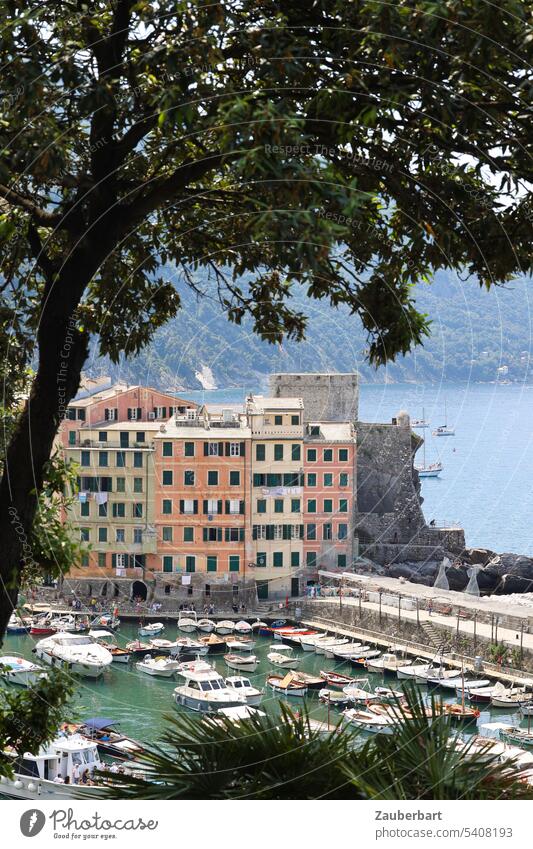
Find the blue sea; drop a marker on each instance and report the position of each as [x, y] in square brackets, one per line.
[486, 483]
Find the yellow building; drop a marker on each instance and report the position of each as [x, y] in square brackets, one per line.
[277, 493]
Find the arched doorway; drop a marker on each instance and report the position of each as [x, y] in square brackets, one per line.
[139, 590]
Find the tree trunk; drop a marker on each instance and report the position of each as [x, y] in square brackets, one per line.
[63, 349]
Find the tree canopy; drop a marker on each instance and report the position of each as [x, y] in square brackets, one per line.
[347, 148]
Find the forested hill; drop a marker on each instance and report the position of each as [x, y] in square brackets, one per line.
[474, 333]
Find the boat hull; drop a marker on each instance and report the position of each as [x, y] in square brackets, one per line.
[242, 667]
[40, 790]
[85, 670]
[203, 706]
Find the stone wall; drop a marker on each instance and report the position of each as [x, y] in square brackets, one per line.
[326, 397]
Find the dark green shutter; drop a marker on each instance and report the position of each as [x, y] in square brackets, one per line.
[206, 449]
[226, 449]
[139, 413]
[270, 531]
[219, 534]
[285, 533]
[220, 449]
[227, 507]
[243, 448]
[182, 506]
[219, 506]
[254, 532]
[206, 506]
[241, 534]
[241, 507]
[129, 412]
[114, 561]
[164, 412]
[226, 534]
[205, 534]
[195, 506]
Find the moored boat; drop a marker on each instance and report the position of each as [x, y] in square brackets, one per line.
[243, 627]
[204, 690]
[286, 686]
[283, 656]
[373, 723]
[417, 671]
[205, 626]
[187, 621]
[18, 624]
[226, 626]
[243, 686]
[138, 649]
[387, 664]
[214, 644]
[459, 712]
[312, 682]
[151, 629]
[359, 661]
[519, 736]
[161, 667]
[79, 653]
[18, 670]
[244, 663]
[330, 644]
[360, 692]
[334, 679]
[41, 625]
[333, 698]
[102, 731]
[240, 644]
[107, 640]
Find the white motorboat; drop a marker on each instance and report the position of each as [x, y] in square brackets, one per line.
[226, 626]
[257, 625]
[417, 671]
[206, 626]
[244, 663]
[283, 656]
[18, 670]
[441, 674]
[186, 646]
[329, 643]
[373, 723]
[42, 776]
[151, 629]
[107, 640]
[243, 627]
[360, 692]
[72, 623]
[204, 690]
[243, 686]
[162, 667]
[187, 621]
[345, 650]
[18, 624]
[79, 653]
[237, 714]
[165, 646]
[388, 663]
[240, 645]
[459, 684]
[309, 643]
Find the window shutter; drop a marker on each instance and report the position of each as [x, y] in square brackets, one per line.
[226, 449]
[139, 413]
[226, 534]
[254, 532]
[195, 506]
[301, 531]
[129, 412]
[241, 534]
[106, 414]
[241, 507]
[219, 506]
[227, 506]
[206, 449]
[182, 506]
[270, 531]
[116, 414]
[206, 506]
[114, 561]
[219, 534]
[285, 532]
[220, 449]
[164, 412]
[242, 449]
[205, 534]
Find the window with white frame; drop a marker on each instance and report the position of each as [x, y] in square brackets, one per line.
[110, 414]
[133, 414]
[296, 531]
[235, 449]
[261, 531]
[188, 505]
[160, 412]
[233, 534]
[121, 561]
[212, 505]
[137, 535]
[213, 449]
[120, 535]
[278, 531]
[234, 505]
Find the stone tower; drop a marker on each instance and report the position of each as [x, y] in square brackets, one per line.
[326, 397]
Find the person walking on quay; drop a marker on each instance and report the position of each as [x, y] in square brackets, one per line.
[430, 607]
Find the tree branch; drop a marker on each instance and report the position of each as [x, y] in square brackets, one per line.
[40, 216]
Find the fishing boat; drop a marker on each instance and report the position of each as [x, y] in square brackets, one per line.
[417, 671]
[286, 686]
[294, 638]
[102, 731]
[360, 660]
[18, 670]
[106, 620]
[204, 690]
[468, 684]
[161, 667]
[226, 626]
[360, 692]
[308, 642]
[138, 649]
[258, 625]
[243, 627]
[511, 698]
[334, 679]
[41, 625]
[519, 736]
[243, 686]
[151, 629]
[385, 694]
[333, 698]
[187, 621]
[283, 656]
[43, 776]
[186, 647]
[243, 644]
[242, 663]
[526, 708]
[165, 646]
[107, 640]
[312, 682]
[214, 644]
[345, 651]
[483, 696]
[387, 664]
[18, 625]
[441, 674]
[79, 653]
[373, 723]
[205, 626]
[459, 713]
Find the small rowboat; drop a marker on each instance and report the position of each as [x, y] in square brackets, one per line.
[138, 648]
[283, 656]
[162, 667]
[286, 685]
[460, 713]
[388, 695]
[225, 627]
[241, 644]
[312, 682]
[333, 697]
[360, 661]
[247, 663]
[519, 736]
[371, 722]
[206, 626]
[243, 627]
[360, 692]
[215, 645]
[334, 679]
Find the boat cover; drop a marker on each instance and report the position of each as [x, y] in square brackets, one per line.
[99, 722]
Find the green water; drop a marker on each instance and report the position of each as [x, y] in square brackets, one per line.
[140, 702]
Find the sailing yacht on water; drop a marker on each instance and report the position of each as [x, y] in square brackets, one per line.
[444, 430]
[431, 471]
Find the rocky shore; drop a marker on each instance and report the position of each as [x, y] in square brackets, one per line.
[496, 574]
